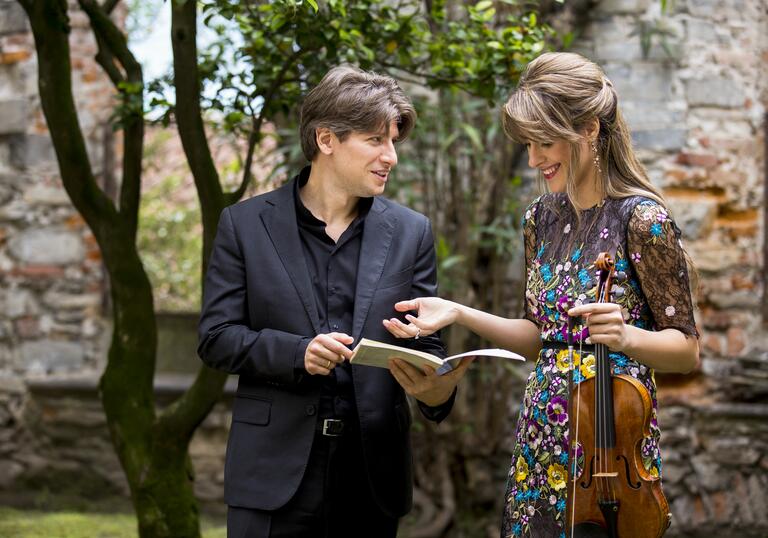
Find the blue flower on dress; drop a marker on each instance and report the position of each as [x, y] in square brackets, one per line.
[561, 505]
[534, 494]
[584, 277]
[520, 496]
[544, 396]
[618, 359]
[621, 265]
[540, 253]
[563, 457]
[551, 296]
[576, 255]
[656, 229]
[546, 272]
[517, 528]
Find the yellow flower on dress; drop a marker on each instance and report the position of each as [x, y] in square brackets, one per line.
[521, 469]
[587, 367]
[654, 471]
[562, 361]
[556, 475]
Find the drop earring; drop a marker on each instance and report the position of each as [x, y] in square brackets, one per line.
[596, 157]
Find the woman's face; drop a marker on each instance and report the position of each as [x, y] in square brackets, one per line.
[554, 160]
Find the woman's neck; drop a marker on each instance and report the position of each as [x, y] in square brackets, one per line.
[589, 193]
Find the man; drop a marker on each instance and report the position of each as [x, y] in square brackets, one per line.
[297, 276]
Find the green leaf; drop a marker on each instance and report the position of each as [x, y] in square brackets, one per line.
[483, 5]
[313, 3]
[473, 134]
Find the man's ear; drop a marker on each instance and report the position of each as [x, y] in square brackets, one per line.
[325, 139]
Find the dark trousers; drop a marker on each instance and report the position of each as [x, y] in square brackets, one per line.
[334, 500]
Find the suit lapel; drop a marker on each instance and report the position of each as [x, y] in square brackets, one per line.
[377, 238]
[283, 230]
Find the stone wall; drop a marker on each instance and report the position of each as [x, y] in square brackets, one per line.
[51, 279]
[697, 111]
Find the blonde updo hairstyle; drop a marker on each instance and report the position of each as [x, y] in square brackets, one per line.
[558, 97]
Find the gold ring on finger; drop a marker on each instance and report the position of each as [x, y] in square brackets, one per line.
[329, 364]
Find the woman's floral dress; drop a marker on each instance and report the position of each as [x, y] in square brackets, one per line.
[560, 251]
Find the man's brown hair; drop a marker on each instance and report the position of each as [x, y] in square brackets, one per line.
[350, 100]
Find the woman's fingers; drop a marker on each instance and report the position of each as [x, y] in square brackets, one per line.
[400, 330]
[405, 306]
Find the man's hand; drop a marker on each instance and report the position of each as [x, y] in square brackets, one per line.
[325, 351]
[427, 386]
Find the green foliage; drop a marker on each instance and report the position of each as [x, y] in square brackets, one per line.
[656, 29]
[264, 56]
[260, 59]
[170, 233]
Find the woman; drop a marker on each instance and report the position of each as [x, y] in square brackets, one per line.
[565, 111]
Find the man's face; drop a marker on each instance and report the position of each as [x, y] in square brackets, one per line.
[363, 161]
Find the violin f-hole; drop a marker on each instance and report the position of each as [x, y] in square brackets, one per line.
[636, 485]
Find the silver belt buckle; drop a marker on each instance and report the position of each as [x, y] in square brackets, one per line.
[333, 427]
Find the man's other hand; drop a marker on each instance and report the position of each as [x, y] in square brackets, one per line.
[426, 386]
[325, 351]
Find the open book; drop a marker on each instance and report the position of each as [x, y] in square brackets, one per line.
[373, 353]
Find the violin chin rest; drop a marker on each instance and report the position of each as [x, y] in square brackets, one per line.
[590, 530]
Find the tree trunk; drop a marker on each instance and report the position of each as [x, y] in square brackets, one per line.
[152, 447]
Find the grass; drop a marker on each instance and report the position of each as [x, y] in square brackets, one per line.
[35, 524]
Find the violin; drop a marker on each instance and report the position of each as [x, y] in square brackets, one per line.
[612, 495]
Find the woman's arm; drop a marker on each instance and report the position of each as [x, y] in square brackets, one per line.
[433, 313]
[667, 350]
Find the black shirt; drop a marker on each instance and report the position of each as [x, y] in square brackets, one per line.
[332, 267]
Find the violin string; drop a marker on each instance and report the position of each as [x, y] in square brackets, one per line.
[600, 390]
[575, 441]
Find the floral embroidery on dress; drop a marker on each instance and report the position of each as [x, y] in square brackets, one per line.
[644, 242]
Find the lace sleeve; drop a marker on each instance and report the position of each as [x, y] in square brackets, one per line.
[656, 253]
[529, 242]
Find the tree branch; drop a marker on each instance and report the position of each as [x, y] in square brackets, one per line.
[113, 45]
[109, 6]
[50, 27]
[181, 419]
[255, 136]
[190, 120]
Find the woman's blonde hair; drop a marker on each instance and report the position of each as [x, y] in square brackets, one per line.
[559, 94]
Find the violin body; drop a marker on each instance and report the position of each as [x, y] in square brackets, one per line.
[639, 508]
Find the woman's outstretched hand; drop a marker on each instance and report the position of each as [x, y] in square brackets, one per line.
[432, 314]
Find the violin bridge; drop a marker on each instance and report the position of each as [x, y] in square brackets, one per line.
[605, 475]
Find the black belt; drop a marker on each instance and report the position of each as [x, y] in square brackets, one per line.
[330, 427]
[578, 347]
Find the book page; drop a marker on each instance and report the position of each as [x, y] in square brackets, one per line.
[453, 360]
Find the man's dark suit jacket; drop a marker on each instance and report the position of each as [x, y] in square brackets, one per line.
[258, 307]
